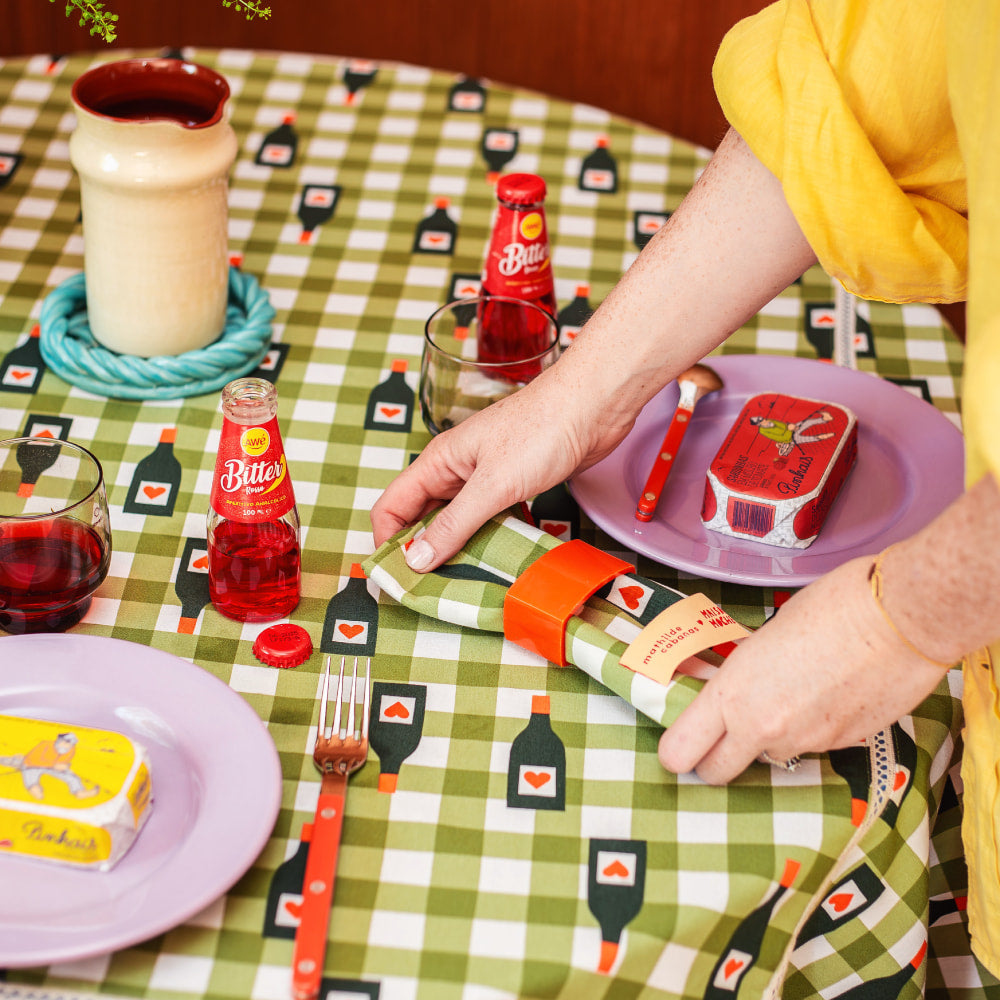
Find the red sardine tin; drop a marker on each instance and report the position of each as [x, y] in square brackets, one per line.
[779, 470]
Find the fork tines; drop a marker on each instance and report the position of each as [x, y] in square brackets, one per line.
[341, 728]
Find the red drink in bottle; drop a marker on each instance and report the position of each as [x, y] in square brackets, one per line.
[253, 525]
[518, 266]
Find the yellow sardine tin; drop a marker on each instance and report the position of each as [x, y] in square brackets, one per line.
[71, 794]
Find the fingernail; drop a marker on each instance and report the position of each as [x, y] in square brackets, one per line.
[419, 555]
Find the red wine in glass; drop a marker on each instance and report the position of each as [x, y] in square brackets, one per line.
[255, 569]
[49, 569]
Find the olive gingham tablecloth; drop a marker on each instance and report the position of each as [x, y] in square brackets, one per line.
[444, 889]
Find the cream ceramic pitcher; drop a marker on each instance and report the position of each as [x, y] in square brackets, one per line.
[153, 149]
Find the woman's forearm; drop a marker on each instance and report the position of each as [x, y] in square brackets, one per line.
[941, 584]
[731, 246]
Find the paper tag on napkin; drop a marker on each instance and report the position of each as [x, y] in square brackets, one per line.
[677, 633]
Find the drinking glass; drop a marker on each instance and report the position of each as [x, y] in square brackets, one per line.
[55, 536]
[479, 350]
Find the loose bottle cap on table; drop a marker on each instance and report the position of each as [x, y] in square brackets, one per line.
[283, 645]
[521, 189]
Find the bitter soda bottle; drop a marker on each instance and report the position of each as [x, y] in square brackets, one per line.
[253, 524]
[517, 266]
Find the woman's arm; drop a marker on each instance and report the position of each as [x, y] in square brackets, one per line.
[730, 247]
[828, 670]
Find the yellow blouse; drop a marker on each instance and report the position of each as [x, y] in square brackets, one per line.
[882, 121]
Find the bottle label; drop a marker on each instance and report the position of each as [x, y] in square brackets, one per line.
[518, 262]
[615, 868]
[251, 481]
[680, 631]
[539, 780]
[154, 493]
[397, 709]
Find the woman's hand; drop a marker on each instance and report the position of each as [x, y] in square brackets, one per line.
[507, 453]
[829, 669]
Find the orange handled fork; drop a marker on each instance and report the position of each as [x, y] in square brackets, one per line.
[338, 755]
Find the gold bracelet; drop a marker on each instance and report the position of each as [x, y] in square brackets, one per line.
[878, 585]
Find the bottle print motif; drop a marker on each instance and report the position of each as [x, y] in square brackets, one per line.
[616, 885]
[34, 459]
[599, 171]
[282, 913]
[191, 583]
[390, 403]
[851, 896]
[643, 599]
[23, 366]
[467, 95]
[741, 953]
[395, 727]
[156, 480]
[536, 771]
[279, 145]
[317, 203]
[436, 232]
[557, 513]
[350, 627]
[887, 987]
[9, 163]
[358, 73]
[573, 317]
[646, 224]
[499, 147]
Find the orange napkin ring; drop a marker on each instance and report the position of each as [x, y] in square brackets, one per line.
[541, 601]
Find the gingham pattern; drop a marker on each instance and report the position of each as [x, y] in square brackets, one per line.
[444, 892]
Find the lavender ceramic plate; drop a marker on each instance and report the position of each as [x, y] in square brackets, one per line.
[216, 793]
[910, 466]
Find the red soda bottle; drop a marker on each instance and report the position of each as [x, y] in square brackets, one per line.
[253, 524]
[518, 266]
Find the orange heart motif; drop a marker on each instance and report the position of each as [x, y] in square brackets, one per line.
[397, 710]
[350, 631]
[44, 434]
[899, 780]
[294, 908]
[553, 528]
[841, 901]
[19, 373]
[390, 411]
[201, 563]
[154, 491]
[732, 967]
[616, 870]
[631, 596]
[537, 778]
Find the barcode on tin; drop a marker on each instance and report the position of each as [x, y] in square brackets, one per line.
[750, 518]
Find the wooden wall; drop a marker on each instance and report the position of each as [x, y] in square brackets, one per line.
[649, 60]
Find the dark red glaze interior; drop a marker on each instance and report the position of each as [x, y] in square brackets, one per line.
[153, 90]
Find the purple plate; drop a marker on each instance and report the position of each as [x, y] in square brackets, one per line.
[216, 793]
[910, 467]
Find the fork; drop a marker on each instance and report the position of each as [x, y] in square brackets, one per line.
[338, 755]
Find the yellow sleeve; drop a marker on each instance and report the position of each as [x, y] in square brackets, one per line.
[846, 102]
[974, 78]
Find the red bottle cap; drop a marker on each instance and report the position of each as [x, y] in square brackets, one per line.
[283, 645]
[521, 189]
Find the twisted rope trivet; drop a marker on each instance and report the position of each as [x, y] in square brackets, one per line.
[70, 350]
